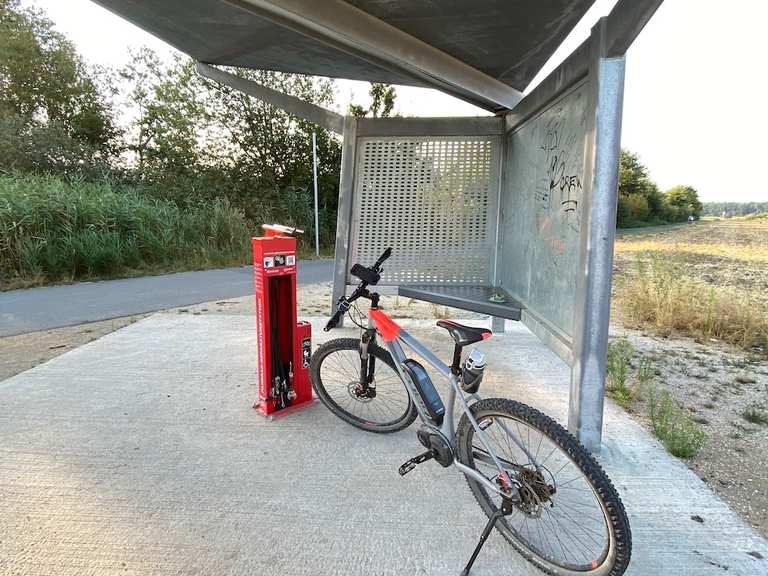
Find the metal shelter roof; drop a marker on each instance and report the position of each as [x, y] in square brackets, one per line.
[495, 46]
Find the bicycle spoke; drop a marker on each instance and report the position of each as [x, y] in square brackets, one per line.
[340, 376]
[570, 530]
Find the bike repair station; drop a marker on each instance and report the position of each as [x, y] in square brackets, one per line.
[284, 345]
[512, 214]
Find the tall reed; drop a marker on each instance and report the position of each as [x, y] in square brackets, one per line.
[53, 229]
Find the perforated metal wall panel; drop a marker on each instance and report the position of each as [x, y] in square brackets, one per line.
[434, 200]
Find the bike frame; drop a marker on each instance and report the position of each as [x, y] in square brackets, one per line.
[394, 336]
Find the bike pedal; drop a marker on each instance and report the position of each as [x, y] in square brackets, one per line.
[409, 465]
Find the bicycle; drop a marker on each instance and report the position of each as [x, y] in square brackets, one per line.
[531, 499]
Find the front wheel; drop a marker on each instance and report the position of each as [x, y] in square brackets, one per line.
[568, 520]
[381, 405]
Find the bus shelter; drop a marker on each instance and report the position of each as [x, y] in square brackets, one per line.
[512, 215]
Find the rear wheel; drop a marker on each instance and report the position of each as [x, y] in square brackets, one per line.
[383, 406]
[569, 520]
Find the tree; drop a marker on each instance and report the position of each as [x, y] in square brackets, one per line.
[633, 175]
[640, 200]
[194, 139]
[186, 139]
[685, 200]
[382, 102]
[166, 131]
[270, 149]
[52, 104]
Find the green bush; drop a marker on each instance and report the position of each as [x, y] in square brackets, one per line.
[640, 201]
[632, 209]
[620, 354]
[53, 229]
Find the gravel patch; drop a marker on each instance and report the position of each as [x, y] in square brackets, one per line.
[720, 387]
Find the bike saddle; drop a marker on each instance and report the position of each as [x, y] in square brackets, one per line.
[464, 335]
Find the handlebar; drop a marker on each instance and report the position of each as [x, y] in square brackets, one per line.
[346, 303]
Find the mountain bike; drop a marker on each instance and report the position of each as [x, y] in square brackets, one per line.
[539, 487]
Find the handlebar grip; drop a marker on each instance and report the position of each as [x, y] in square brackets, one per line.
[386, 254]
[334, 321]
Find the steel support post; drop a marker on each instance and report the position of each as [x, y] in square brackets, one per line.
[497, 323]
[344, 211]
[598, 227]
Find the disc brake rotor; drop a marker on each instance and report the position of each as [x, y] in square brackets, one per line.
[356, 392]
[534, 490]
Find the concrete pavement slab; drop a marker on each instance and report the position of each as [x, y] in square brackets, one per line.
[139, 453]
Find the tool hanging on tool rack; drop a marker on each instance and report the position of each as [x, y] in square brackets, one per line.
[282, 374]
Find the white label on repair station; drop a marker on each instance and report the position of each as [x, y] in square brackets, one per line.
[290, 260]
[269, 262]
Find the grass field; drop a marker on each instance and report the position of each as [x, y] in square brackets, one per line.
[707, 280]
[722, 253]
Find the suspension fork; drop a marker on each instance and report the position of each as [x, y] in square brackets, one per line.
[367, 361]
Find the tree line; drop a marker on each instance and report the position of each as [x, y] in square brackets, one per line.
[107, 170]
[157, 127]
[642, 203]
[734, 209]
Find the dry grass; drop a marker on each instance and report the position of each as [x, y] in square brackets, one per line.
[662, 297]
[726, 254]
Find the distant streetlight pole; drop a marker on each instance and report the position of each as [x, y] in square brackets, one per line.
[314, 174]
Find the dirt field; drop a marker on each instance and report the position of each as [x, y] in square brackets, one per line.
[724, 253]
[25, 351]
[721, 387]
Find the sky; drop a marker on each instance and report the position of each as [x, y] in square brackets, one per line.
[694, 100]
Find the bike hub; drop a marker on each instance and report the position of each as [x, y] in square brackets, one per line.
[534, 491]
[361, 393]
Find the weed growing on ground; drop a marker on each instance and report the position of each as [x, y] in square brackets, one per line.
[673, 426]
[754, 415]
[645, 371]
[620, 353]
[439, 312]
[661, 297]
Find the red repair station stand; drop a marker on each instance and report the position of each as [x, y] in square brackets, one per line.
[283, 345]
